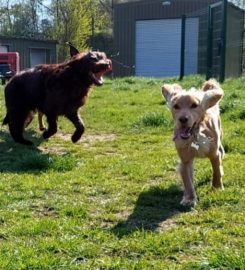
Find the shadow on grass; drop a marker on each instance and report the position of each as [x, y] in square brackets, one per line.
[6, 138]
[153, 208]
[19, 158]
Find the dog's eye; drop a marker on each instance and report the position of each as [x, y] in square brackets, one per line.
[93, 56]
[176, 107]
[194, 105]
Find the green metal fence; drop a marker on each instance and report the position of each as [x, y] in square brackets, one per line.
[220, 49]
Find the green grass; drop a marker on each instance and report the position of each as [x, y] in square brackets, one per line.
[111, 201]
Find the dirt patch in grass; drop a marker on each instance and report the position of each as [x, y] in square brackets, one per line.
[167, 224]
[88, 138]
[54, 149]
[44, 211]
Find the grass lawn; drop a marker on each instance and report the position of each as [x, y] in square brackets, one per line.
[111, 201]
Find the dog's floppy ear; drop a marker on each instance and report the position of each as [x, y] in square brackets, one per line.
[212, 94]
[211, 98]
[73, 50]
[169, 90]
[210, 84]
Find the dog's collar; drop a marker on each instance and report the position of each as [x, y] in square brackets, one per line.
[200, 141]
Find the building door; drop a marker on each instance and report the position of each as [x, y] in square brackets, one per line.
[37, 56]
[191, 46]
[158, 47]
[3, 48]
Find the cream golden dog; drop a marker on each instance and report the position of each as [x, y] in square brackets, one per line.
[197, 131]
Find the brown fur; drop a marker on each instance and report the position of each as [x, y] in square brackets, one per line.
[54, 90]
[197, 131]
[73, 51]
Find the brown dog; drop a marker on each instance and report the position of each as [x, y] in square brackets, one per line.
[54, 90]
[73, 51]
[197, 131]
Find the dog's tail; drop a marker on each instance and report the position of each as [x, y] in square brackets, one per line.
[210, 84]
[6, 120]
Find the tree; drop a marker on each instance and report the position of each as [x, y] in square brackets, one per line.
[240, 3]
[86, 23]
[19, 18]
[71, 22]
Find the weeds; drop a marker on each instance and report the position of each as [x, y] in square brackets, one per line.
[111, 201]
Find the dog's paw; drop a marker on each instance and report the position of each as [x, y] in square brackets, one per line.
[75, 138]
[188, 201]
[217, 187]
[46, 134]
[24, 141]
[28, 143]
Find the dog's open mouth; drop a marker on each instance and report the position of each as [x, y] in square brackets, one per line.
[183, 132]
[97, 77]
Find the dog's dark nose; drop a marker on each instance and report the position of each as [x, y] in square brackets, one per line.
[183, 119]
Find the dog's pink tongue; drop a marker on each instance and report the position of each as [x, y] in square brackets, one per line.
[182, 133]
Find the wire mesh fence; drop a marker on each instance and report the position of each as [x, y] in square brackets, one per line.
[187, 37]
[220, 42]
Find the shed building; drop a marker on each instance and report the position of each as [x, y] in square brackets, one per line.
[31, 51]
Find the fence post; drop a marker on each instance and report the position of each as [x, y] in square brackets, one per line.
[243, 51]
[92, 33]
[223, 42]
[209, 71]
[182, 49]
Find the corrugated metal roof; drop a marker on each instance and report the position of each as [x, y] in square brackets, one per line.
[28, 39]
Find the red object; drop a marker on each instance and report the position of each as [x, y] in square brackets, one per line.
[11, 58]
